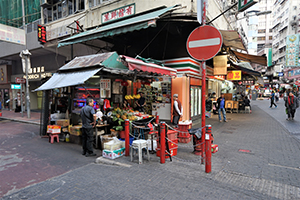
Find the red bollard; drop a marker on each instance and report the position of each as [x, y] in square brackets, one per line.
[157, 119]
[127, 147]
[208, 149]
[162, 143]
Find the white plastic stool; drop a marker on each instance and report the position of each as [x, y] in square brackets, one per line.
[247, 109]
[139, 145]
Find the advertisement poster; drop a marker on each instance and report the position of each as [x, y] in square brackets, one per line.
[105, 88]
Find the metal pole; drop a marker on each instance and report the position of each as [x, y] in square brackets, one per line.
[127, 143]
[26, 63]
[21, 99]
[162, 143]
[208, 149]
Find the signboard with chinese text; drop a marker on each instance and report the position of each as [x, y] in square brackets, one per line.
[15, 86]
[42, 34]
[244, 4]
[12, 34]
[118, 13]
[234, 75]
[292, 51]
[105, 88]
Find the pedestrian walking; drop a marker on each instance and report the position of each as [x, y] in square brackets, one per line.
[247, 102]
[291, 105]
[221, 107]
[272, 98]
[88, 117]
[276, 96]
[177, 110]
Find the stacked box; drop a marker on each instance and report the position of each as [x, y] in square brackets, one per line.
[53, 129]
[183, 134]
[104, 139]
[111, 145]
[75, 130]
[113, 154]
[63, 122]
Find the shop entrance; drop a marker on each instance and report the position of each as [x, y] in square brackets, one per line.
[195, 101]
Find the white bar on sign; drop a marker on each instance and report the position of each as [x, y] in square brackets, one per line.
[204, 43]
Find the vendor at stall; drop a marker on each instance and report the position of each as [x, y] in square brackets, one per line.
[141, 102]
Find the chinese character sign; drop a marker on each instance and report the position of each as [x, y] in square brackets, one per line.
[12, 34]
[292, 51]
[234, 75]
[42, 34]
[118, 13]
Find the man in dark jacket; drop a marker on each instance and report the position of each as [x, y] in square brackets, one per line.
[221, 107]
[291, 105]
[88, 117]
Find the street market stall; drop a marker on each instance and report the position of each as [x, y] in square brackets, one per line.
[109, 79]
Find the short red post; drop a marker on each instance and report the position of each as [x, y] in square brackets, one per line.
[162, 142]
[157, 119]
[208, 149]
[127, 147]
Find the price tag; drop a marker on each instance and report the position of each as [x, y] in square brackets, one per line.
[206, 136]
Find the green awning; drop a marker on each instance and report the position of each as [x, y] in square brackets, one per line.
[124, 26]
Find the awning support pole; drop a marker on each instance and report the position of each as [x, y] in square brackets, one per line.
[222, 13]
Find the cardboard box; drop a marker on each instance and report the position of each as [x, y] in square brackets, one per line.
[104, 139]
[75, 139]
[63, 122]
[75, 130]
[54, 129]
[113, 154]
[111, 145]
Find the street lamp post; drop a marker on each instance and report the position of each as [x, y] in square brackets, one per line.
[25, 55]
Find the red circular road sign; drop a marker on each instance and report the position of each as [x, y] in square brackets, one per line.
[204, 42]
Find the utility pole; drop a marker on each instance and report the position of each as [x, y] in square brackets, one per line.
[26, 54]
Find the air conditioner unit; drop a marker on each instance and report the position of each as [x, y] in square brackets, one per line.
[293, 23]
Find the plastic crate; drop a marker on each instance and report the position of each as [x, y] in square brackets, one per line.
[184, 139]
[184, 126]
[130, 139]
[172, 135]
[173, 152]
[171, 144]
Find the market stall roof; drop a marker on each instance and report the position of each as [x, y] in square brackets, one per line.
[144, 67]
[128, 25]
[80, 69]
[262, 60]
[232, 39]
[246, 67]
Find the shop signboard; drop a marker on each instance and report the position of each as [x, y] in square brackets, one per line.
[118, 13]
[20, 80]
[292, 51]
[12, 34]
[244, 4]
[15, 86]
[234, 75]
[105, 88]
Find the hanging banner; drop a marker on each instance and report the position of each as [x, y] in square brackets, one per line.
[220, 65]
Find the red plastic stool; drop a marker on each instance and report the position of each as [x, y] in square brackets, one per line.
[52, 136]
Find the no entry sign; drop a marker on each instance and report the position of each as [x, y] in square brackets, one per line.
[204, 43]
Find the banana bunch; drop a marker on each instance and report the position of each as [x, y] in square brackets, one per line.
[129, 97]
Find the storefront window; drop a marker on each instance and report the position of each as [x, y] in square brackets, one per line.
[59, 11]
[195, 101]
[54, 12]
[70, 5]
